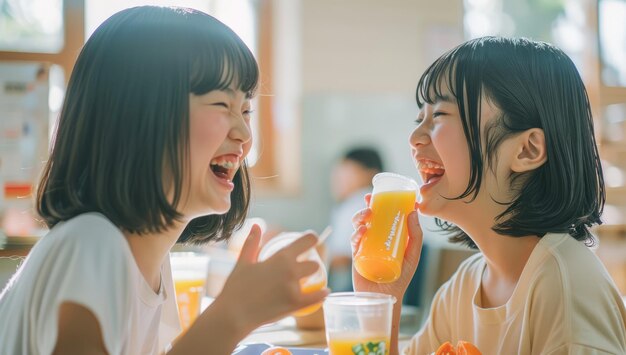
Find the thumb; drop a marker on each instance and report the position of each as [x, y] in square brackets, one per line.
[414, 247]
[250, 248]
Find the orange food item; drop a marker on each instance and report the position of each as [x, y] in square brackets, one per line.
[276, 350]
[446, 349]
[466, 348]
[462, 348]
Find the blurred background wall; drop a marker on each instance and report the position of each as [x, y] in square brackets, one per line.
[360, 62]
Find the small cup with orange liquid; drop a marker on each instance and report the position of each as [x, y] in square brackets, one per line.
[311, 283]
[381, 251]
[358, 322]
[189, 271]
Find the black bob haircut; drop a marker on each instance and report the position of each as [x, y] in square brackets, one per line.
[125, 121]
[534, 85]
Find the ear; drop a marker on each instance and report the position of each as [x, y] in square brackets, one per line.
[530, 151]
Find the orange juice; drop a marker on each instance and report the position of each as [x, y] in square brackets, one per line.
[188, 295]
[312, 308]
[352, 344]
[381, 251]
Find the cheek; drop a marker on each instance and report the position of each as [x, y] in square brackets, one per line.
[247, 147]
[451, 145]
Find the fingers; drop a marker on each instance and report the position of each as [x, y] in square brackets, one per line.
[309, 298]
[415, 241]
[302, 244]
[250, 248]
[356, 237]
[305, 268]
[368, 199]
[361, 217]
[414, 227]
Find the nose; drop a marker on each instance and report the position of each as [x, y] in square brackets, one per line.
[241, 128]
[420, 136]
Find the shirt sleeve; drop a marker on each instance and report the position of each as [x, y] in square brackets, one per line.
[90, 268]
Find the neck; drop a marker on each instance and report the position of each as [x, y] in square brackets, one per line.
[505, 255]
[150, 251]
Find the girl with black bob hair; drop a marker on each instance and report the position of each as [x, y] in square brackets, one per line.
[149, 150]
[505, 149]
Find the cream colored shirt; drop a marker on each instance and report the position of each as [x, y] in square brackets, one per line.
[565, 302]
[87, 260]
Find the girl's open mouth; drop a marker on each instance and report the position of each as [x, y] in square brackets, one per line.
[430, 171]
[225, 167]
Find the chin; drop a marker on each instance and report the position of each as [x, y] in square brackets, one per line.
[221, 207]
[211, 207]
[431, 208]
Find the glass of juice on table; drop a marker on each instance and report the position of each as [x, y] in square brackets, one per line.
[381, 251]
[311, 283]
[358, 322]
[189, 270]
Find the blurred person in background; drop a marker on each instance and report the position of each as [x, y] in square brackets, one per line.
[351, 180]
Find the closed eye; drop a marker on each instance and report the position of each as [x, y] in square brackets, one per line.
[222, 104]
[438, 113]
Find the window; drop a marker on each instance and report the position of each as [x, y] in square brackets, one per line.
[58, 38]
[31, 26]
[611, 15]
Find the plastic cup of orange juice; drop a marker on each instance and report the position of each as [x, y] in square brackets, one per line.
[311, 283]
[189, 271]
[381, 251]
[358, 322]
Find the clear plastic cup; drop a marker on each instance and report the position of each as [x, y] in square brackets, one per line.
[312, 283]
[189, 271]
[381, 251]
[358, 322]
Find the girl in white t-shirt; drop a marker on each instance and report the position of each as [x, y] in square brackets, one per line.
[149, 150]
[505, 149]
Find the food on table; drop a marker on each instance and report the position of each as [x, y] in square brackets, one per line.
[462, 348]
[276, 350]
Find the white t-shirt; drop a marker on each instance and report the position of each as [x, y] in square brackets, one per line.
[86, 260]
[565, 302]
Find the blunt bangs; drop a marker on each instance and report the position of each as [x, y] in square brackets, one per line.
[222, 63]
[533, 85]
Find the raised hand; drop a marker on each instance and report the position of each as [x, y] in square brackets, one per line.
[411, 257]
[268, 290]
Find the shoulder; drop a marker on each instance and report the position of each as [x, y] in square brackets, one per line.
[89, 225]
[88, 231]
[570, 286]
[565, 267]
[562, 257]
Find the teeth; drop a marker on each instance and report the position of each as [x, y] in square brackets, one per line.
[423, 164]
[226, 164]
